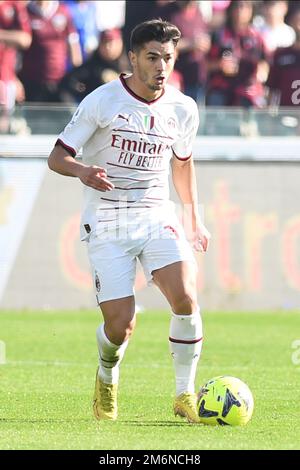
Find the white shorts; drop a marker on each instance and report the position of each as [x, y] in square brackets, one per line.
[113, 255]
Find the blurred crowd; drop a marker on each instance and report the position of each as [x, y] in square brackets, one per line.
[232, 53]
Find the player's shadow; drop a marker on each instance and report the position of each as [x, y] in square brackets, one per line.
[87, 420]
[41, 420]
[154, 423]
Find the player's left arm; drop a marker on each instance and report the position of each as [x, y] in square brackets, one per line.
[184, 179]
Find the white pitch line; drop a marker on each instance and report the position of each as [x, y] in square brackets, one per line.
[46, 363]
[86, 364]
[81, 364]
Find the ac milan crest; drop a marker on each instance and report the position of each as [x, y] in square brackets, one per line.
[97, 283]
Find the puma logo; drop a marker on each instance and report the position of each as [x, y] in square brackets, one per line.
[123, 117]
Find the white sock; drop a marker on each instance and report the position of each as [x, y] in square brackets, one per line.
[185, 344]
[110, 356]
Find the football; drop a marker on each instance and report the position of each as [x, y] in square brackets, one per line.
[225, 400]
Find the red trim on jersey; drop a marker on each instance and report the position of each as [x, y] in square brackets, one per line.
[116, 200]
[67, 147]
[125, 207]
[143, 133]
[133, 189]
[135, 168]
[126, 178]
[182, 159]
[137, 97]
[106, 220]
[192, 341]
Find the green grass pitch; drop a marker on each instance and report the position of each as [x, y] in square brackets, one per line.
[46, 385]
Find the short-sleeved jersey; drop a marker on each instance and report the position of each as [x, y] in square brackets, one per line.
[134, 140]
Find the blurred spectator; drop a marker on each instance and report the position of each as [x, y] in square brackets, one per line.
[135, 13]
[205, 7]
[163, 9]
[237, 61]
[110, 14]
[293, 5]
[53, 38]
[218, 18]
[83, 14]
[284, 78]
[176, 80]
[275, 32]
[14, 34]
[192, 47]
[106, 63]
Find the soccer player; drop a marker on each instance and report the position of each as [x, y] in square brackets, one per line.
[130, 130]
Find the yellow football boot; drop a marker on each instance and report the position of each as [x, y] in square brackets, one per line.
[185, 405]
[105, 400]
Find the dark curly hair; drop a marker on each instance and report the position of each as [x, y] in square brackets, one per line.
[153, 30]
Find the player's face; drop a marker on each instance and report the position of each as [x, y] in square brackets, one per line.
[153, 64]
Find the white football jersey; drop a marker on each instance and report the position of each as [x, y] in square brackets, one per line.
[134, 140]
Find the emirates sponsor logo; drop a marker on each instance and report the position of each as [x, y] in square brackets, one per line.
[140, 146]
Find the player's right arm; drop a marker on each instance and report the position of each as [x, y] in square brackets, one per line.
[76, 134]
[63, 163]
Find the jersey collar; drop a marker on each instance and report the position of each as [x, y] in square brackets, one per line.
[139, 98]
